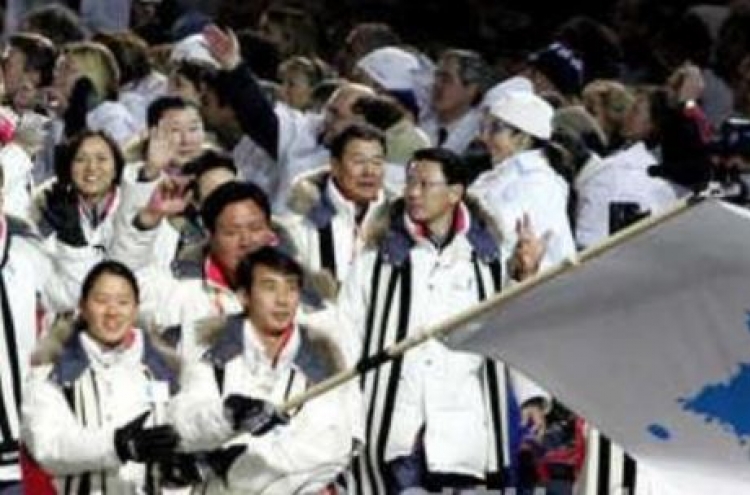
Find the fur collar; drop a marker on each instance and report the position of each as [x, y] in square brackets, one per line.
[389, 234]
[62, 349]
[318, 356]
[307, 197]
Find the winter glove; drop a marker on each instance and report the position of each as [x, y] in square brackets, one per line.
[180, 470]
[254, 416]
[135, 443]
[220, 460]
[60, 215]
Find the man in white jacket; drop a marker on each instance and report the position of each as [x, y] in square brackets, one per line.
[242, 364]
[201, 282]
[334, 206]
[436, 418]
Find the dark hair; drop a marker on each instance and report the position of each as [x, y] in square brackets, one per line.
[451, 164]
[322, 91]
[66, 153]
[314, 69]
[164, 104]
[370, 36]
[271, 257]
[55, 21]
[205, 162]
[197, 73]
[109, 267]
[362, 131]
[131, 53]
[230, 193]
[209, 160]
[203, 77]
[39, 52]
[378, 110]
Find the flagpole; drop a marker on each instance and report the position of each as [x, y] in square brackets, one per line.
[449, 324]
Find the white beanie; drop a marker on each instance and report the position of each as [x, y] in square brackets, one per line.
[515, 83]
[525, 111]
[392, 68]
[193, 49]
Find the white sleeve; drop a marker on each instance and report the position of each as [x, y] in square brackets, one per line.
[310, 451]
[132, 246]
[54, 436]
[197, 411]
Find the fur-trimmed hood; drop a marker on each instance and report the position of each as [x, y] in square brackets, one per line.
[308, 190]
[388, 231]
[61, 348]
[309, 198]
[318, 355]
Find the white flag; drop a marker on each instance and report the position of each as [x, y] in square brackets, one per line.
[650, 341]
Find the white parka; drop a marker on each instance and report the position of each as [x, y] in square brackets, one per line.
[318, 205]
[76, 398]
[621, 177]
[302, 456]
[442, 390]
[525, 183]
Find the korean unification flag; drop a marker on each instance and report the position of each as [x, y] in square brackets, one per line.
[650, 341]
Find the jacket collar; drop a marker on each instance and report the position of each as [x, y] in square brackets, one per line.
[403, 235]
[74, 361]
[230, 342]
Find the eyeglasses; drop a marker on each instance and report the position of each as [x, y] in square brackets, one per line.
[423, 185]
[494, 126]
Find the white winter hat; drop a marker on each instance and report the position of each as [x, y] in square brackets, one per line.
[516, 83]
[525, 111]
[193, 49]
[391, 67]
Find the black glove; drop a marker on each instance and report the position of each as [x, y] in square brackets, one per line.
[180, 470]
[220, 460]
[254, 416]
[135, 443]
[60, 215]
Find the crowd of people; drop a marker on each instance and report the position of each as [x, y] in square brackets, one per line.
[200, 222]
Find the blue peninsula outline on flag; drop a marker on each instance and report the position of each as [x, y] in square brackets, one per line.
[726, 403]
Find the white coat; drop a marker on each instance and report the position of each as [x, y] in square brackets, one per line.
[442, 390]
[317, 204]
[620, 177]
[76, 400]
[525, 183]
[299, 151]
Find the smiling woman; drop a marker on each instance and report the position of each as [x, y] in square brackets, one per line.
[75, 211]
[92, 385]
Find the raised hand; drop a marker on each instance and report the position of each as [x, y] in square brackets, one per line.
[171, 197]
[161, 152]
[223, 46]
[529, 250]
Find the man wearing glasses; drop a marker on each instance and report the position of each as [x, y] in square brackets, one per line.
[435, 418]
